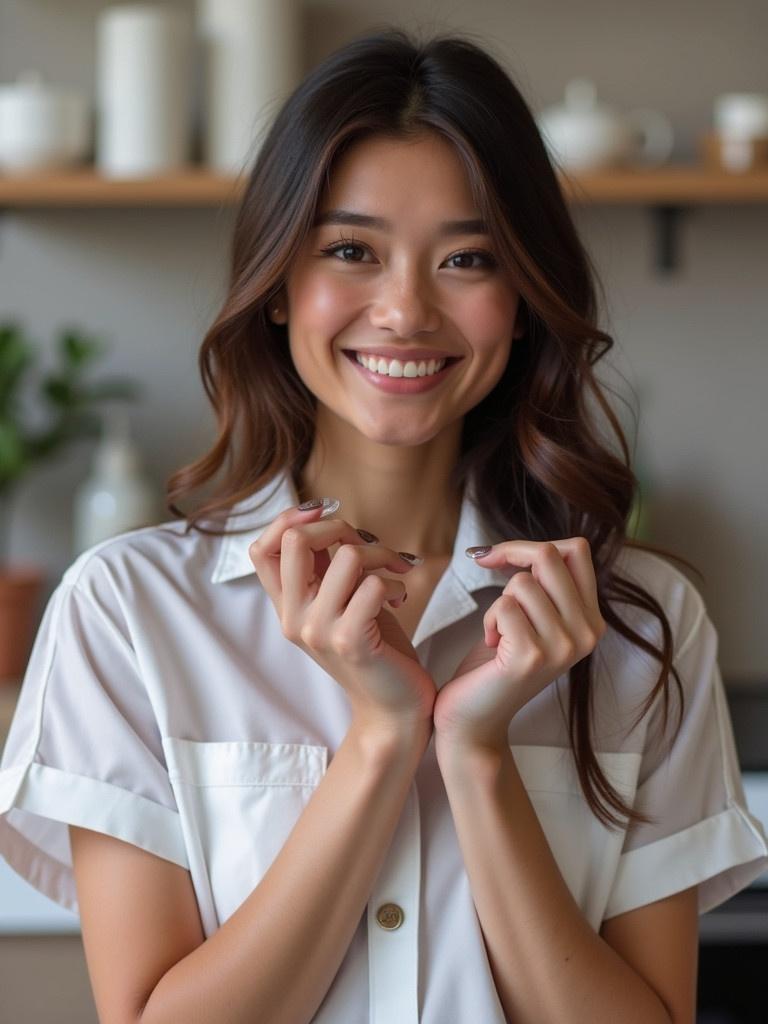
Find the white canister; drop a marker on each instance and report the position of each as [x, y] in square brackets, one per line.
[252, 60]
[42, 128]
[144, 90]
[740, 118]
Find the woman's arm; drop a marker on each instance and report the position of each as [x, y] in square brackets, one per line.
[275, 958]
[549, 965]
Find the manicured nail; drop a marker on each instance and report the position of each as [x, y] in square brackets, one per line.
[409, 558]
[478, 552]
[330, 505]
[369, 538]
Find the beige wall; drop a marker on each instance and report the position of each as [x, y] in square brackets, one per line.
[693, 344]
[44, 980]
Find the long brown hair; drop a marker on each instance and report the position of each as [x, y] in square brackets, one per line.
[533, 445]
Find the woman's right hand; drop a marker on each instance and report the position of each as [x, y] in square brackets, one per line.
[332, 608]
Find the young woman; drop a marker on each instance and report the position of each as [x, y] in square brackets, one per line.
[380, 731]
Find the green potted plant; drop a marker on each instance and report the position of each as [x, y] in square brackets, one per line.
[71, 404]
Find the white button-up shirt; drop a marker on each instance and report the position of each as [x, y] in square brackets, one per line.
[163, 705]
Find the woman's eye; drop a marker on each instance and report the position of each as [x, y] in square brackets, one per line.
[343, 247]
[486, 260]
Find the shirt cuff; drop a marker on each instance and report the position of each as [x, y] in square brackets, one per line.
[70, 799]
[721, 855]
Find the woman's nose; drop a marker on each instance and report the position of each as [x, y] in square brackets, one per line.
[405, 307]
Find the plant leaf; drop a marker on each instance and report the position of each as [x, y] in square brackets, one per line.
[77, 349]
[12, 454]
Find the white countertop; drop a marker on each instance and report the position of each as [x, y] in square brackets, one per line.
[25, 911]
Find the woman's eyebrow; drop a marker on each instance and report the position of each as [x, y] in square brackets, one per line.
[365, 220]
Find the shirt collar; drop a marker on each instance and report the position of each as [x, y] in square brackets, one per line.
[234, 561]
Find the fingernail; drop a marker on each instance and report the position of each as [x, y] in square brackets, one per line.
[478, 552]
[411, 559]
[369, 538]
[330, 505]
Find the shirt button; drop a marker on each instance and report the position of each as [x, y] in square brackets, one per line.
[390, 916]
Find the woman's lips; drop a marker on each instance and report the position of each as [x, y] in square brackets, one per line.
[402, 385]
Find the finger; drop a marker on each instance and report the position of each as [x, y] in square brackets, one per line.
[506, 616]
[553, 604]
[265, 551]
[575, 553]
[368, 599]
[349, 566]
[544, 617]
[554, 597]
[301, 584]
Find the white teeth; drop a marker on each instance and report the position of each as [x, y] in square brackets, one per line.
[395, 368]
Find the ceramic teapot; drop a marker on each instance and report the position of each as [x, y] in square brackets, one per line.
[583, 135]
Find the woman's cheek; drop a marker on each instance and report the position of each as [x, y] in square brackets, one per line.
[330, 302]
[493, 311]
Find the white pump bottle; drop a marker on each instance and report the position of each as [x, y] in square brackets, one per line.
[117, 496]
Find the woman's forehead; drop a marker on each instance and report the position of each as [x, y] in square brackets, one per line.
[379, 180]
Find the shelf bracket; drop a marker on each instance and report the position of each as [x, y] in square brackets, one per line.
[667, 218]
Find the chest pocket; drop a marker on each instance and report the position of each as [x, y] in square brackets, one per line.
[238, 801]
[587, 852]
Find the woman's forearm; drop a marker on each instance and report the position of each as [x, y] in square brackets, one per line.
[548, 963]
[275, 958]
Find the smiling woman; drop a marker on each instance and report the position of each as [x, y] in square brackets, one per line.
[320, 767]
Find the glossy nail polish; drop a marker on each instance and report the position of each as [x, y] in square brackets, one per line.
[330, 505]
[369, 538]
[478, 552]
[409, 558]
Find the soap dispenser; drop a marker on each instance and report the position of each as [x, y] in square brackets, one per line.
[117, 496]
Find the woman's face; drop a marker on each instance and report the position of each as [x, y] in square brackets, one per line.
[409, 285]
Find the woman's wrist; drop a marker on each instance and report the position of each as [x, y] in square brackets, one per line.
[384, 737]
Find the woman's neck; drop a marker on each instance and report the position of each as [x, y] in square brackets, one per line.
[403, 496]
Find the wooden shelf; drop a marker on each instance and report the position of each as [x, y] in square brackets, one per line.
[192, 187]
[681, 185]
[672, 185]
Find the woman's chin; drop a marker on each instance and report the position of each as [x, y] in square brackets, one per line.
[398, 434]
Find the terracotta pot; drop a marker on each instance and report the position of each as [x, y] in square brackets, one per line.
[20, 590]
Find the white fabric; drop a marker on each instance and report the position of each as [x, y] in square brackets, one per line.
[163, 705]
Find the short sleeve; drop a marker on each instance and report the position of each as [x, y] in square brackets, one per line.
[83, 748]
[703, 833]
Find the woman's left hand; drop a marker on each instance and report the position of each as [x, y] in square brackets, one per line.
[542, 623]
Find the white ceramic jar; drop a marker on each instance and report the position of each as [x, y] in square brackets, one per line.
[42, 128]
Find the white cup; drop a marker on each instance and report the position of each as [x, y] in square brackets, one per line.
[740, 117]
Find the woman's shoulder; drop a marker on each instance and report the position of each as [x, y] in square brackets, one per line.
[136, 558]
[678, 597]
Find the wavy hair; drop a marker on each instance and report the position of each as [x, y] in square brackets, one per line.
[533, 445]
